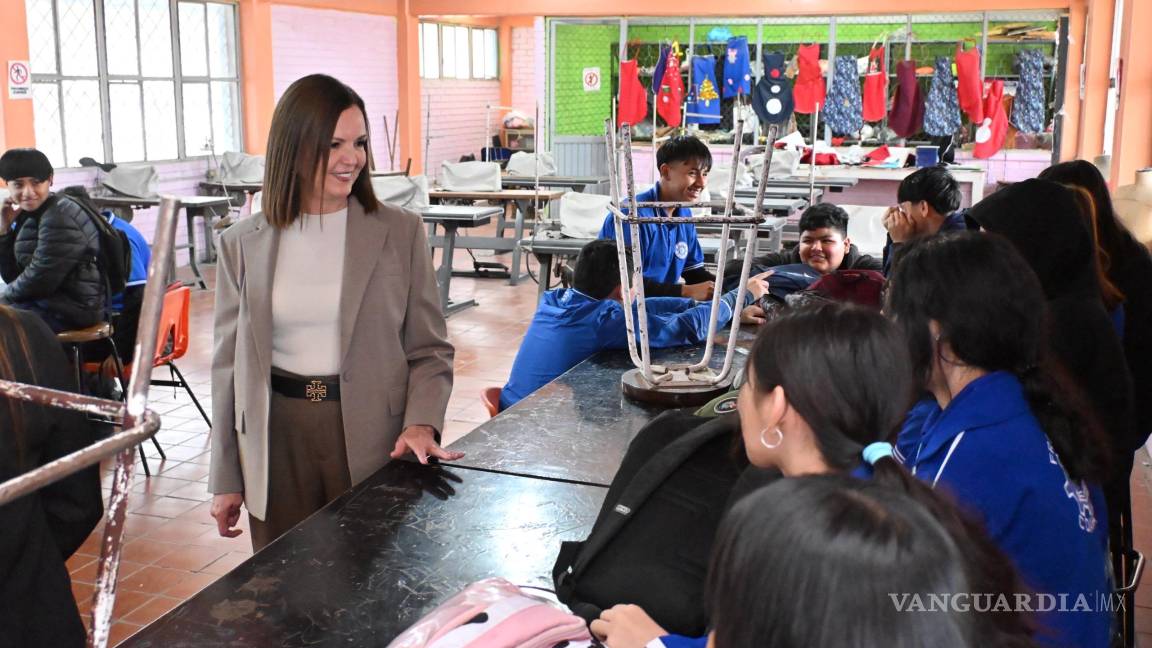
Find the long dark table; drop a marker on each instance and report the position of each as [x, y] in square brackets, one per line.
[375, 560]
[577, 427]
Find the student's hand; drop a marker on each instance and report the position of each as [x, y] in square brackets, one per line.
[226, 511]
[758, 285]
[8, 214]
[900, 225]
[420, 440]
[753, 315]
[699, 292]
[626, 626]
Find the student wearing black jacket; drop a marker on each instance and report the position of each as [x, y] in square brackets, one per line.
[40, 531]
[824, 245]
[48, 247]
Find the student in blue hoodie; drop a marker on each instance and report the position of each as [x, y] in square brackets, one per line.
[1004, 432]
[672, 252]
[826, 389]
[572, 324]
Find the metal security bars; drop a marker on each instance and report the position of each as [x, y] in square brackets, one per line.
[160, 77]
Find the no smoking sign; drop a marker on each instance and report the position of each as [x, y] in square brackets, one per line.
[592, 79]
[19, 80]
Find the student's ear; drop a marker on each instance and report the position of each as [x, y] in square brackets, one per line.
[847, 243]
[664, 169]
[773, 406]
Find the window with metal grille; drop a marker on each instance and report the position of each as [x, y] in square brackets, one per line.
[458, 52]
[134, 80]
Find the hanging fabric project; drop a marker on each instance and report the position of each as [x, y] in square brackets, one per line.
[704, 102]
[668, 86]
[737, 71]
[844, 111]
[772, 98]
[1028, 109]
[876, 86]
[942, 110]
[994, 129]
[907, 115]
[810, 86]
[971, 87]
[632, 106]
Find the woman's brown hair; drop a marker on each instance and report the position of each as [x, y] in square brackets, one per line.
[299, 141]
[8, 372]
[1112, 294]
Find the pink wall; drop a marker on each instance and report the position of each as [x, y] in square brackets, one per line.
[457, 123]
[357, 48]
[524, 96]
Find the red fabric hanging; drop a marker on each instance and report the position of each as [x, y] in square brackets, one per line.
[632, 106]
[670, 94]
[994, 129]
[907, 113]
[808, 90]
[971, 87]
[876, 86]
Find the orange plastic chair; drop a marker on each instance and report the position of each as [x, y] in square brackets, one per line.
[491, 399]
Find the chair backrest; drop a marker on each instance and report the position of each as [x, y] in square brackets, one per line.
[866, 228]
[172, 335]
[491, 400]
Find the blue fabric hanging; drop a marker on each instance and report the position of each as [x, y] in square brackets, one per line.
[1028, 107]
[737, 70]
[772, 98]
[844, 113]
[942, 108]
[704, 103]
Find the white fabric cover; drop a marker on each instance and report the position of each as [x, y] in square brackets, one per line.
[470, 176]
[720, 176]
[582, 215]
[784, 164]
[866, 228]
[241, 167]
[523, 164]
[136, 180]
[410, 192]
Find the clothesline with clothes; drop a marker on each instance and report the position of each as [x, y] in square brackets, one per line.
[848, 102]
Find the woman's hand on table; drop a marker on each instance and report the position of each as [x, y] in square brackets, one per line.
[420, 440]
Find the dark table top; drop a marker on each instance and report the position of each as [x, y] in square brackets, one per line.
[466, 215]
[833, 183]
[247, 187]
[144, 203]
[574, 182]
[375, 560]
[577, 427]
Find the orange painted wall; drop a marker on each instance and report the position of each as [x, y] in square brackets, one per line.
[256, 72]
[1134, 119]
[18, 128]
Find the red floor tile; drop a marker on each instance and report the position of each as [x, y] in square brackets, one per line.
[226, 563]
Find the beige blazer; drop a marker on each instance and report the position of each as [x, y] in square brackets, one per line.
[396, 367]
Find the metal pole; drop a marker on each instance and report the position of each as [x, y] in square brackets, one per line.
[812, 161]
[637, 257]
[758, 65]
[427, 132]
[621, 256]
[831, 71]
[984, 48]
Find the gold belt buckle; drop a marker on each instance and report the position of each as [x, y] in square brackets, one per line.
[316, 391]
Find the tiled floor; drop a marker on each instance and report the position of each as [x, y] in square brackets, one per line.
[172, 548]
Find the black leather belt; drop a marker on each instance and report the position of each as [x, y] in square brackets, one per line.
[317, 390]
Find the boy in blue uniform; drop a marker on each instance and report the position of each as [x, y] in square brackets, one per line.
[929, 202]
[572, 324]
[672, 252]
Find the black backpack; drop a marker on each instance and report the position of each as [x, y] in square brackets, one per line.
[115, 258]
[652, 541]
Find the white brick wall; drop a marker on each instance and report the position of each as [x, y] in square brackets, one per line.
[359, 49]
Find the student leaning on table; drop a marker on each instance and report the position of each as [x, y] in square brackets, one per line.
[330, 354]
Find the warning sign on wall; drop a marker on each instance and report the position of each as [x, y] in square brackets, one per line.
[19, 80]
[592, 79]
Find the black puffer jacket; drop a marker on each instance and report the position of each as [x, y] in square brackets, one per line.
[51, 260]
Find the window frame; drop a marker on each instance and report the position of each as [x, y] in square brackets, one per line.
[105, 80]
[474, 32]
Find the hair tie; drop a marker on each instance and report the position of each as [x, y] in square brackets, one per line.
[876, 451]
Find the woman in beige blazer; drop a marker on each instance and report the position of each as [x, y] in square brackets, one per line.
[330, 354]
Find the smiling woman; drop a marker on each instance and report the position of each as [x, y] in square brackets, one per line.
[331, 353]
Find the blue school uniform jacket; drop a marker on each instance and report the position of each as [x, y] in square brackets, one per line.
[668, 250]
[990, 452]
[570, 326]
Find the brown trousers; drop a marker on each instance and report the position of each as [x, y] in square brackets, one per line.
[307, 463]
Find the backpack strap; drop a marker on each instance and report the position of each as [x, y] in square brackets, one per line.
[643, 483]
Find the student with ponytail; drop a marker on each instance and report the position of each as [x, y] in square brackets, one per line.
[1005, 431]
[827, 388]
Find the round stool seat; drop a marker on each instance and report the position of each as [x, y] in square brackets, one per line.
[101, 331]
